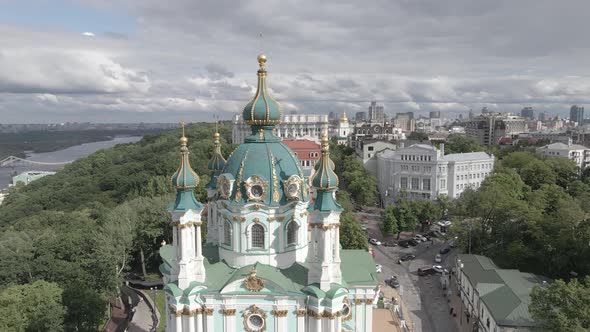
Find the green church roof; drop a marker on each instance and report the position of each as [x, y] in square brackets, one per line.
[324, 177]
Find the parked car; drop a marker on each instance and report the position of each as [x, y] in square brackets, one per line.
[390, 244]
[421, 238]
[444, 250]
[364, 227]
[375, 242]
[440, 269]
[393, 282]
[413, 242]
[378, 268]
[431, 234]
[407, 257]
[427, 270]
[404, 244]
[437, 258]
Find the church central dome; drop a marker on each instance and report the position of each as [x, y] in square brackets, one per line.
[262, 109]
[262, 169]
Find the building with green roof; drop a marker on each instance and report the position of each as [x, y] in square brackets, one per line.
[271, 260]
[496, 299]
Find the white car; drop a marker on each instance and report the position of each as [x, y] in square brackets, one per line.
[440, 269]
[378, 267]
[375, 242]
[437, 258]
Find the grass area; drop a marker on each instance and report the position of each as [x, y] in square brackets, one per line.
[160, 301]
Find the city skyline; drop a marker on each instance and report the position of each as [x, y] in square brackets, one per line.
[142, 61]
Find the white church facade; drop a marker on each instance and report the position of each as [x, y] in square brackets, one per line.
[271, 259]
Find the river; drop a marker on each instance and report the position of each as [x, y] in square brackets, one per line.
[71, 153]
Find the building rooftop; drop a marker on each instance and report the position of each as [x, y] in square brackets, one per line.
[297, 144]
[563, 146]
[469, 156]
[506, 293]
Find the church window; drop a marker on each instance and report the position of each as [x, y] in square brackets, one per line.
[255, 322]
[257, 236]
[292, 231]
[227, 233]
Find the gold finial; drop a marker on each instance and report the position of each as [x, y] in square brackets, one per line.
[261, 60]
[183, 139]
[343, 118]
[261, 133]
[325, 145]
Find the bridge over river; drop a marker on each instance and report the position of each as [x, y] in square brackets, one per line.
[12, 161]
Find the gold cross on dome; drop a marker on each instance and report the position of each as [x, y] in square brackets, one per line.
[182, 123]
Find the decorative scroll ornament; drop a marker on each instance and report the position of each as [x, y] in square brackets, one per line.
[253, 283]
[254, 319]
[292, 187]
[256, 188]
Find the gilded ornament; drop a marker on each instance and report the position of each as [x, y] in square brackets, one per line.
[275, 183]
[256, 207]
[261, 133]
[242, 219]
[208, 311]
[280, 313]
[178, 313]
[300, 312]
[328, 314]
[281, 218]
[253, 283]
[228, 312]
[256, 188]
[256, 220]
[270, 219]
[358, 301]
[235, 218]
[369, 301]
[313, 314]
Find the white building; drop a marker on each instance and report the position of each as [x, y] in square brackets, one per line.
[493, 299]
[291, 126]
[343, 130]
[367, 150]
[423, 172]
[578, 153]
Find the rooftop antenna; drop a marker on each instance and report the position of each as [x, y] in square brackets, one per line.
[260, 40]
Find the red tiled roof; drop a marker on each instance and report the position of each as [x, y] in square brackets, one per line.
[301, 144]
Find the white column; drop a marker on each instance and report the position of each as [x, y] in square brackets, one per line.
[369, 315]
[178, 322]
[337, 240]
[199, 320]
[209, 326]
[190, 321]
[300, 323]
[358, 315]
[318, 324]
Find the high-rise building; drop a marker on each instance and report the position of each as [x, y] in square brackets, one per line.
[470, 114]
[405, 121]
[528, 113]
[542, 116]
[271, 259]
[360, 117]
[376, 114]
[488, 128]
[434, 114]
[577, 115]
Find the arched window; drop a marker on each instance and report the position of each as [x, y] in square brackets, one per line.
[292, 232]
[227, 233]
[257, 236]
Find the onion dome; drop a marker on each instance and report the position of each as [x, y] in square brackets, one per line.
[343, 118]
[325, 181]
[216, 163]
[324, 177]
[185, 179]
[262, 109]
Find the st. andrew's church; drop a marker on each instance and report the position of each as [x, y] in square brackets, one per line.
[271, 260]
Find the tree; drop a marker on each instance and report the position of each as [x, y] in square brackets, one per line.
[537, 173]
[405, 215]
[418, 136]
[351, 234]
[32, 307]
[389, 226]
[562, 306]
[457, 143]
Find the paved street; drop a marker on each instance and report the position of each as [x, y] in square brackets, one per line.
[423, 296]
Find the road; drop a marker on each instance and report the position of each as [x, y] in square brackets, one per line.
[423, 296]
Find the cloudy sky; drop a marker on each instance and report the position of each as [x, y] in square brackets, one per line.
[154, 60]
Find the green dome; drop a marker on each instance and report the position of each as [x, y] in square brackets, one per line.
[262, 109]
[264, 159]
[216, 163]
[184, 177]
[324, 177]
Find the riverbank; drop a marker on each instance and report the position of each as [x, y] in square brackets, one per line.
[68, 154]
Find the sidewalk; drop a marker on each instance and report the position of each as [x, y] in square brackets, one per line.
[142, 318]
[384, 319]
[459, 310]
